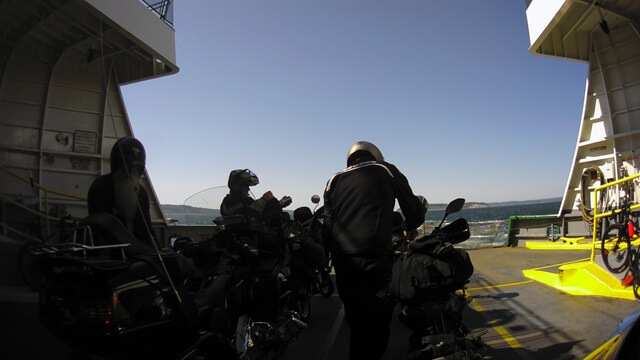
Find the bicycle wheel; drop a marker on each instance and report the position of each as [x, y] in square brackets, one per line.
[635, 272]
[615, 248]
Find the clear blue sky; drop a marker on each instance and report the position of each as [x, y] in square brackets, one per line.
[446, 89]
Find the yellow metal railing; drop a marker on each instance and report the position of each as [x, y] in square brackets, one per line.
[597, 216]
[586, 277]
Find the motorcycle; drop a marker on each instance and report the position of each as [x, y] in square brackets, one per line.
[428, 280]
[265, 304]
[316, 260]
[108, 295]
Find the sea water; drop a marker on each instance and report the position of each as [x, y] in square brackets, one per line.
[488, 226]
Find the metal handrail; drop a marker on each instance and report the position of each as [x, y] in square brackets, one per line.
[164, 9]
[597, 216]
[46, 191]
[87, 245]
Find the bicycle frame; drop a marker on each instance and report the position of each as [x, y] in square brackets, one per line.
[597, 216]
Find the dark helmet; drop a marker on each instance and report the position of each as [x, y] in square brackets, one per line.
[302, 214]
[242, 177]
[128, 153]
[363, 148]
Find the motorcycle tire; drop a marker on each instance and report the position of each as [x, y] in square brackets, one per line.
[301, 302]
[245, 347]
[327, 288]
[211, 346]
[303, 308]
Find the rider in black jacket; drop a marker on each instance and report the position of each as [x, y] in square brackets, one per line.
[358, 221]
[238, 201]
[120, 192]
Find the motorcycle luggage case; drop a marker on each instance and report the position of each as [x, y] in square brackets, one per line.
[84, 299]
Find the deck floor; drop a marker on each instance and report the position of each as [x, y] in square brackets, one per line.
[525, 319]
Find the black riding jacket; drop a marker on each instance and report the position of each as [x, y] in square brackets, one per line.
[358, 208]
[101, 199]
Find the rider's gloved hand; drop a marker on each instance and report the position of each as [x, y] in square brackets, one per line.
[285, 201]
[268, 196]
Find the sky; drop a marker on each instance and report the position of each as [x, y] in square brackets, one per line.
[446, 89]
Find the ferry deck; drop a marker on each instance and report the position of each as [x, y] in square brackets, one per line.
[525, 319]
[54, 52]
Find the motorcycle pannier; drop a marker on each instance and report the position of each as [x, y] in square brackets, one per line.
[419, 275]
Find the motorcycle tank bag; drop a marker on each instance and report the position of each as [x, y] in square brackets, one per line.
[419, 275]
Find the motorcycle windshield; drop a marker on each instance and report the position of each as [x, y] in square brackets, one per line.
[203, 207]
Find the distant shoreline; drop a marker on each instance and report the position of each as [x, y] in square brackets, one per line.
[181, 209]
[525, 202]
[480, 205]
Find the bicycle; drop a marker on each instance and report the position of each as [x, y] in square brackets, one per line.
[633, 274]
[617, 252]
[615, 247]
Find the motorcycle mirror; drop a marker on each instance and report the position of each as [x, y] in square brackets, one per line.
[455, 206]
[315, 199]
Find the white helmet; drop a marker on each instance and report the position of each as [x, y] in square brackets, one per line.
[366, 147]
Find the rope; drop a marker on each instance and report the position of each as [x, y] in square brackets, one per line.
[41, 187]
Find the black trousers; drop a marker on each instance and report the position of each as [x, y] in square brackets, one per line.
[361, 281]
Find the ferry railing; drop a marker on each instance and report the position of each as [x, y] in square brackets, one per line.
[163, 8]
[597, 216]
[47, 218]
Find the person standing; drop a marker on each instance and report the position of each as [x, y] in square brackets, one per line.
[358, 220]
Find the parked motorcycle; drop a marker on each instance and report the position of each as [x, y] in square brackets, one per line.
[108, 295]
[265, 304]
[316, 262]
[428, 280]
[264, 307]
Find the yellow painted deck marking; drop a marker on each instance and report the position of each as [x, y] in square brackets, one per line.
[500, 286]
[504, 334]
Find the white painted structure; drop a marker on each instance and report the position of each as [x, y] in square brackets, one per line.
[62, 63]
[606, 34]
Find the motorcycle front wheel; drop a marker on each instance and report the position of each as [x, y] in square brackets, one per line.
[326, 288]
[245, 345]
[301, 302]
